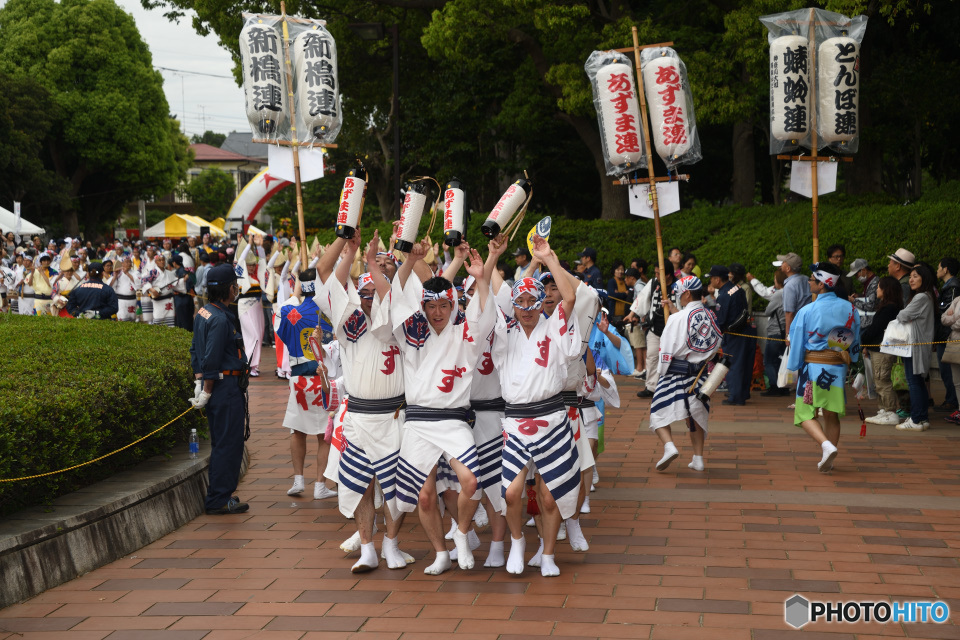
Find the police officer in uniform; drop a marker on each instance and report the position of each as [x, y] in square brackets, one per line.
[733, 314]
[93, 298]
[220, 366]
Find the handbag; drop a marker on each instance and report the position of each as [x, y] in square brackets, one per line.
[951, 353]
[896, 340]
[898, 376]
[785, 377]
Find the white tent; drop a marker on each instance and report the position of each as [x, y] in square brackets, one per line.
[8, 222]
[179, 226]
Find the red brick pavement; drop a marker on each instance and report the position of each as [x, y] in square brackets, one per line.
[673, 555]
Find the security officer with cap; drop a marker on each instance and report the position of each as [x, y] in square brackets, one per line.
[733, 315]
[93, 298]
[220, 367]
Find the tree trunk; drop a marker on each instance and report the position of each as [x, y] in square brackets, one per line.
[776, 168]
[613, 197]
[744, 164]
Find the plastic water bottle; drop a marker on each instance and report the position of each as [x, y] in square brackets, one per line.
[194, 444]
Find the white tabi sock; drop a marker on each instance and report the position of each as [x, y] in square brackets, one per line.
[562, 531]
[575, 535]
[495, 557]
[351, 544]
[298, 486]
[515, 561]
[391, 553]
[441, 564]
[464, 554]
[368, 559]
[480, 518]
[697, 463]
[535, 560]
[670, 454]
[453, 527]
[548, 566]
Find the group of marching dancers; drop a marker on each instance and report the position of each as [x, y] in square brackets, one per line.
[439, 399]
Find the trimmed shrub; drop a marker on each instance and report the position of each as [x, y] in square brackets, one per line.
[74, 390]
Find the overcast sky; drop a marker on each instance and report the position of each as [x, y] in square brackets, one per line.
[211, 101]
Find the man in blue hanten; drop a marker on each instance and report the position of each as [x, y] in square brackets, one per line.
[824, 340]
[220, 367]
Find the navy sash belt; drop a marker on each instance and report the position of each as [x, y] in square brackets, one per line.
[386, 405]
[535, 409]
[431, 414]
[684, 368]
[497, 404]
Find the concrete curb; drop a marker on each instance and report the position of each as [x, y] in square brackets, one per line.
[43, 547]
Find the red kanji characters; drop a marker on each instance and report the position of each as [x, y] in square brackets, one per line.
[668, 75]
[620, 102]
[627, 142]
[625, 122]
[618, 82]
[389, 362]
[486, 364]
[544, 353]
[446, 383]
[530, 426]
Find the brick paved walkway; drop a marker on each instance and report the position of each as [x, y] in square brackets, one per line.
[673, 555]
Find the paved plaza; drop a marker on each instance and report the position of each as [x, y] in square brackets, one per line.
[674, 555]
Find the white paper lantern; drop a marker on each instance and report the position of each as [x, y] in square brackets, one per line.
[510, 202]
[790, 88]
[664, 84]
[264, 78]
[838, 64]
[619, 114]
[315, 65]
[413, 207]
[351, 202]
[453, 205]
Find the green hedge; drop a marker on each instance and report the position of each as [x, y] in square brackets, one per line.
[73, 390]
[870, 227]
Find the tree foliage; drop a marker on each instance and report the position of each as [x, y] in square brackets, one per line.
[209, 137]
[212, 191]
[110, 136]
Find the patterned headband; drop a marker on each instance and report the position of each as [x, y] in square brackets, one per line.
[396, 262]
[687, 283]
[308, 287]
[447, 294]
[528, 285]
[826, 278]
[362, 281]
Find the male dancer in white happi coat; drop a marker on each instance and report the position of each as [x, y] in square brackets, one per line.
[532, 353]
[439, 359]
[126, 283]
[373, 380]
[689, 340]
[251, 269]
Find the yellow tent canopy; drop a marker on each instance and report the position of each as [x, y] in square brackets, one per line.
[180, 225]
[218, 222]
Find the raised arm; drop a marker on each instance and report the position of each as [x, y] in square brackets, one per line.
[477, 270]
[460, 253]
[568, 291]
[497, 247]
[329, 259]
[416, 255]
[379, 280]
[347, 257]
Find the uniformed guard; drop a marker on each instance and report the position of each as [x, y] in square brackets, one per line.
[733, 315]
[220, 367]
[93, 298]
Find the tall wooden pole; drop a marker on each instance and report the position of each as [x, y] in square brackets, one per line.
[653, 184]
[293, 135]
[813, 126]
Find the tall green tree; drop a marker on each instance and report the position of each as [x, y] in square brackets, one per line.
[113, 139]
[212, 191]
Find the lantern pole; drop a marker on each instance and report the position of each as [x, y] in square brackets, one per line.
[813, 119]
[293, 134]
[651, 177]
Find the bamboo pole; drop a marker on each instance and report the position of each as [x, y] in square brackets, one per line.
[813, 126]
[293, 135]
[652, 181]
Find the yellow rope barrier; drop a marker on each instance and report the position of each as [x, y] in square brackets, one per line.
[897, 344]
[83, 464]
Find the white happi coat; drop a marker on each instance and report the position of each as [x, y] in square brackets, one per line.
[306, 405]
[25, 302]
[250, 308]
[585, 309]
[691, 334]
[371, 370]
[148, 272]
[166, 283]
[439, 372]
[126, 286]
[533, 369]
